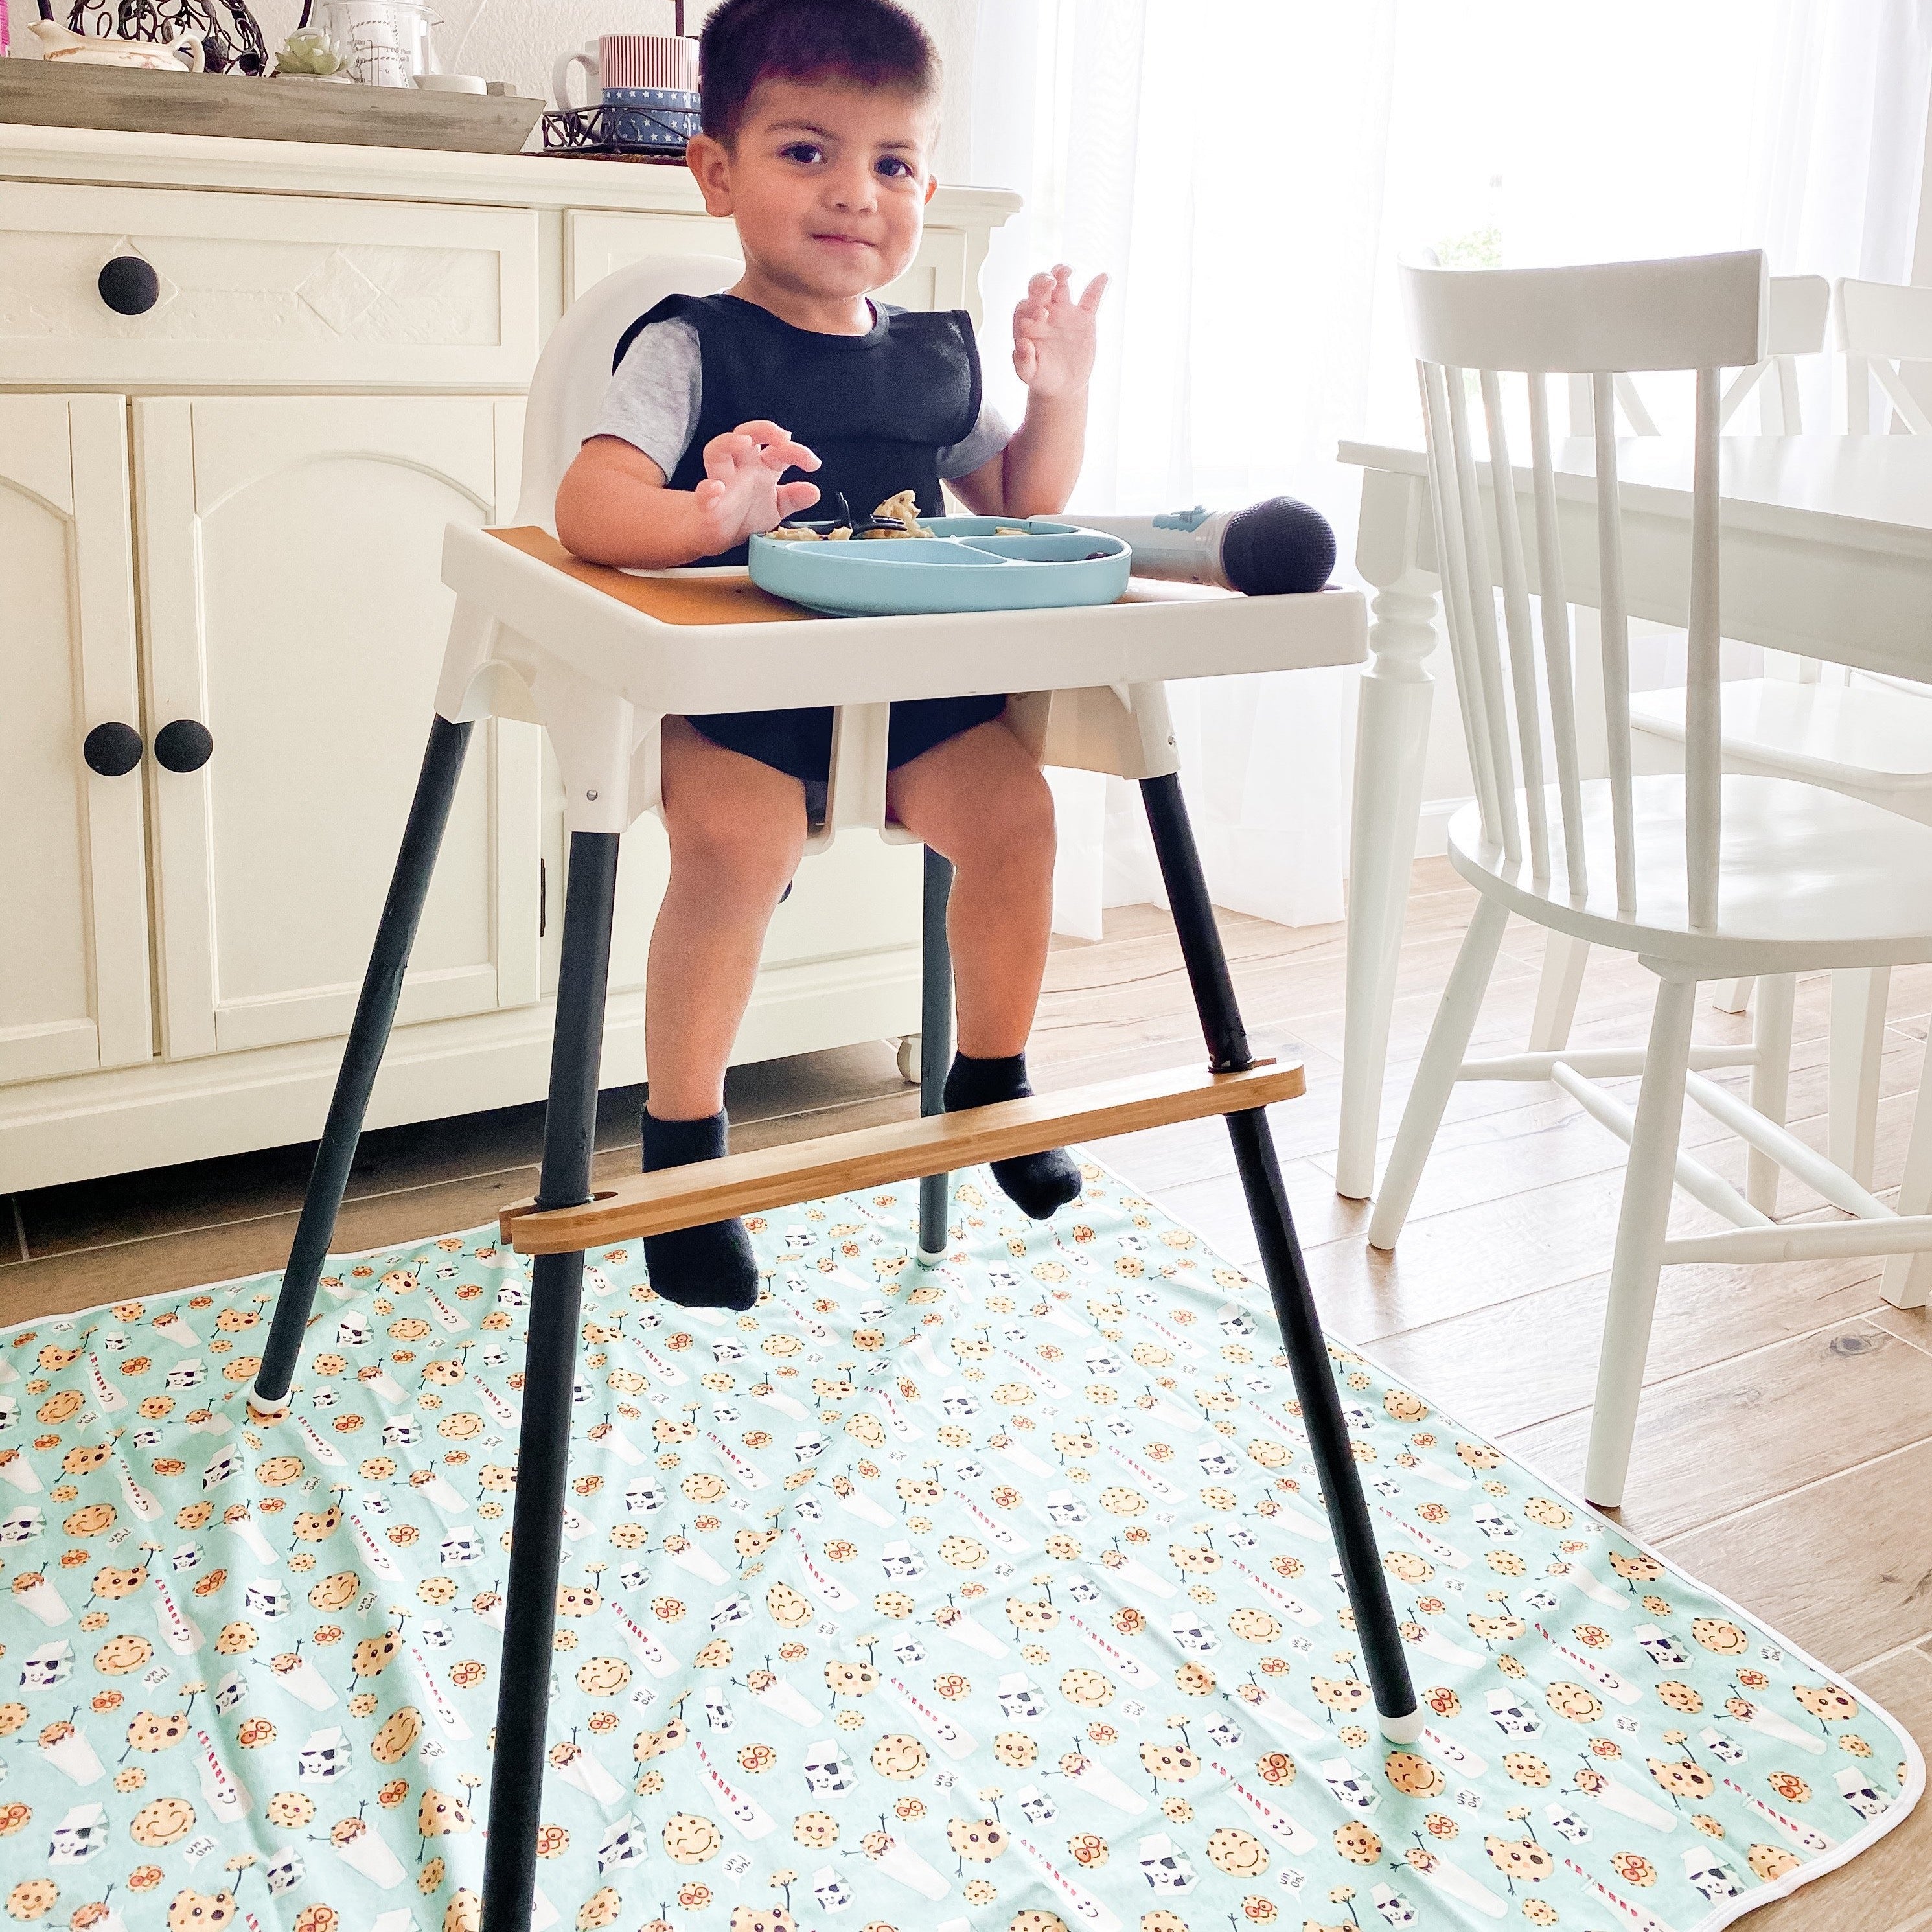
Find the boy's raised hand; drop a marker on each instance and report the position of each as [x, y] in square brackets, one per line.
[741, 493]
[1053, 334]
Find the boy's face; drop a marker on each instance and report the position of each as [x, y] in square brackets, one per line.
[827, 181]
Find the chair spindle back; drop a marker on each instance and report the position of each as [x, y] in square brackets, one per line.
[1703, 314]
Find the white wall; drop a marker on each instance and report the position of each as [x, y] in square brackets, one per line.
[517, 40]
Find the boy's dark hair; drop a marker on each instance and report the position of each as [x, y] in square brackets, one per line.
[873, 43]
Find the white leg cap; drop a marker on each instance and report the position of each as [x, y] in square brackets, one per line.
[1402, 1730]
[929, 1261]
[259, 1411]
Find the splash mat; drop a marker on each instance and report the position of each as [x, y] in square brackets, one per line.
[992, 1596]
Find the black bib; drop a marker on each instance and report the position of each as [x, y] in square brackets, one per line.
[876, 409]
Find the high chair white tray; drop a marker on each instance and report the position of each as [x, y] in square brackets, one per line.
[598, 656]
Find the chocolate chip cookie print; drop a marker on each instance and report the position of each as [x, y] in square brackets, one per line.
[995, 1594]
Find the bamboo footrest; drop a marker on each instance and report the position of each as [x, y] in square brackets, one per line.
[779, 1176]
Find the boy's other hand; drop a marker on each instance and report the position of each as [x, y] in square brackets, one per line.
[741, 493]
[1053, 334]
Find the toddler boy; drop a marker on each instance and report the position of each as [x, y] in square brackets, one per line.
[819, 117]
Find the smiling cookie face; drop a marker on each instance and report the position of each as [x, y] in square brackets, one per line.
[1681, 1696]
[84, 1458]
[1574, 1702]
[333, 1592]
[122, 1653]
[279, 1469]
[1358, 1844]
[788, 1608]
[815, 1830]
[235, 1638]
[1036, 1920]
[1527, 1769]
[1414, 1777]
[1771, 1861]
[1719, 1637]
[1240, 1854]
[603, 1676]
[32, 1898]
[112, 1584]
[897, 1756]
[90, 1519]
[963, 1552]
[575, 1600]
[1087, 1688]
[977, 1841]
[290, 1810]
[690, 1838]
[161, 1821]
[395, 1735]
[1014, 1750]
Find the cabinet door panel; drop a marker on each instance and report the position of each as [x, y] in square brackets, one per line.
[290, 550]
[74, 987]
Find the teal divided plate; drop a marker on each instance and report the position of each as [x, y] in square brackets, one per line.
[963, 566]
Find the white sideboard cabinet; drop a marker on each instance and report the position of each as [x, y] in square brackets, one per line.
[221, 521]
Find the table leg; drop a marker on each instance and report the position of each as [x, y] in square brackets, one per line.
[550, 1360]
[935, 1044]
[1391, 743]
[1281, 1264]
[361, 1058]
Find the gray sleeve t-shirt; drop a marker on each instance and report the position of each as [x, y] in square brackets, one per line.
[653, 403]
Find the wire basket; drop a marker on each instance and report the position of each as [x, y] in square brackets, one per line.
[627, 132]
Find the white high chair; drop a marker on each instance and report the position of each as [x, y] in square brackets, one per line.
[1709, 875]
[598, 657]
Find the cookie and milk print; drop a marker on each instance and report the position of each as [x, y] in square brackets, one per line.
[994, 1596]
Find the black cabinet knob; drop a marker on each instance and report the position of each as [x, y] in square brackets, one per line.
[129, 285]
[112, 750]
[185, 745]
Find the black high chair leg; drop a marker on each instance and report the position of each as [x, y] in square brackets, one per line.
[935, 1043]
[1282, 1263]
[362, 1056]
[550, 1366]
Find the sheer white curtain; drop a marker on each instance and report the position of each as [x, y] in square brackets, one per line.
[1248, 171]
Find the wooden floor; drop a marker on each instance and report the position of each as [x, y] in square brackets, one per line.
[1784, 1450]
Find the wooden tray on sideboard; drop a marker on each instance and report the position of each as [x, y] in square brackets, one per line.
[58, 94]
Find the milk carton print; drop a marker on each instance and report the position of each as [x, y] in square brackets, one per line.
[1661, 1647]
[1165, 1867]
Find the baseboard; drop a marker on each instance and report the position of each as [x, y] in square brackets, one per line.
[1431, 830]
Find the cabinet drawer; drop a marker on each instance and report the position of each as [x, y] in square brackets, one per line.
[600, 243]
[266, 290]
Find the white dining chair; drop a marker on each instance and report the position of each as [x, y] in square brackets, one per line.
[1701, 875]
[1855, 735]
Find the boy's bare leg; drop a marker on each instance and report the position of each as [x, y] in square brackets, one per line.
[737, 829]
[980, 800]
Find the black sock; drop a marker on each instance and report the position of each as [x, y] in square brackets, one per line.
[1038, 1183]
[711, 1266]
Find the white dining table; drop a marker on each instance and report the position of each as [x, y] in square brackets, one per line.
[1827, 552]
